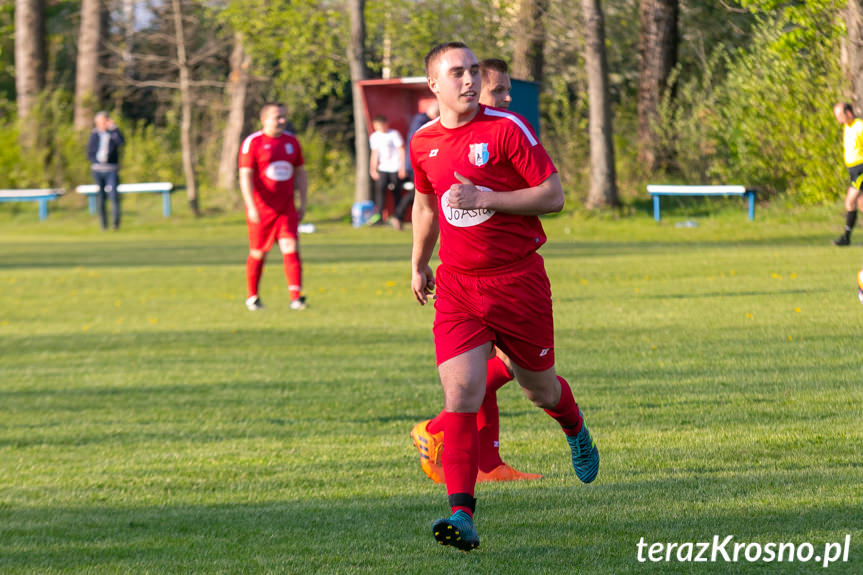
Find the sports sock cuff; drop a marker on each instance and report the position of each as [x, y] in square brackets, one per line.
[435, 424]
[463, 500]
[566, 412]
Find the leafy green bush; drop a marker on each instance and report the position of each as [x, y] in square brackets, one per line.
[151, 154]
[331, 176]
[565, 136]
[58, 157]
[762, 117]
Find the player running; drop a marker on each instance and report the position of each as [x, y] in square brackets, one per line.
[428, 436]
[482, 178]
[272, 177]
[852, 130]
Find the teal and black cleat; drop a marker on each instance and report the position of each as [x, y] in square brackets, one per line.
[585, 456]
[457, 530]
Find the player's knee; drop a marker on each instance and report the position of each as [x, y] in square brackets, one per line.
[464, 398]
[256, 254]
[542, 389]
[543, 398]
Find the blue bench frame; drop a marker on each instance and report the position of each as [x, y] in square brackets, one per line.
[41, 195]
[656, 191]
[164, 188]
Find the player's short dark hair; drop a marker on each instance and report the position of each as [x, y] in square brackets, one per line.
[848, 108]
[380, 118]
[495, 64]
[439, 50]
[269, 105]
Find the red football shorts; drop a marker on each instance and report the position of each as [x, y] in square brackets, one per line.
[273, 225]
[511, 308]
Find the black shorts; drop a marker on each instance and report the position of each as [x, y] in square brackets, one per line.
[856, 175]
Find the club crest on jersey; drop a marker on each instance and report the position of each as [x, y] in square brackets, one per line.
[478, 154]
[289, 148]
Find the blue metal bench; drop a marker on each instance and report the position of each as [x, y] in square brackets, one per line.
[41, 195]
[164, 188]
[658, 190]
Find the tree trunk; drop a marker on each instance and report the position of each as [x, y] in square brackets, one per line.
[357, 61]
[603, 185]
[527, 59]
[853, 52]
[657, 56]
[186, 140]
[86, 70]
[29, 58]
[125, 71]
[238, 83]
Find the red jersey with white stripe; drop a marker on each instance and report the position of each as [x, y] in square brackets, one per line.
[498, 151]
[272, 161]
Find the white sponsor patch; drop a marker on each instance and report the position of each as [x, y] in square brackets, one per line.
[280, 171]
[464, 218]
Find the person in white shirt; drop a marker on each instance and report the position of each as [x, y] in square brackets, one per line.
[386, 166]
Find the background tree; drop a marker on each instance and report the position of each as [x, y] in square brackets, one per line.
[657, 56]
[357, 62]
[29, 54]
[186, 140]
[603, 180]
[87, 68]
[853, 52]
[236, 92]
[529, 41]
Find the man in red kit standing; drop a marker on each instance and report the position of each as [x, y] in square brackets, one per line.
[482, 178]
[272, 178]
[428, 436]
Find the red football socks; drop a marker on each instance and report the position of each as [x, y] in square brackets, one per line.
[254, 268]
[566, 412]
[488, 418]
[460, 457]
[435, 425]
[294, 274]
[496, 376]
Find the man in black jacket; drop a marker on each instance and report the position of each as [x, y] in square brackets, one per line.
[103, 151]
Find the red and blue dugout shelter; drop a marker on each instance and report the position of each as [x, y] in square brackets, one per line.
[400, 99]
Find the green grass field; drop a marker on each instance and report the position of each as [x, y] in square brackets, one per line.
[150, 424]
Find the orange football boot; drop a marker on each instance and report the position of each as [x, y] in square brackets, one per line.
[505, 473]
[430, 448]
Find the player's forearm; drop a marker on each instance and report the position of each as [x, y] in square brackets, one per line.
[425, 234]
[545, 198]
[301, 186]
[246, 187]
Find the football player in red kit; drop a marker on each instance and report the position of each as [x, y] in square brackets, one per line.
[482, 179]
[272, 180]
[428, 436]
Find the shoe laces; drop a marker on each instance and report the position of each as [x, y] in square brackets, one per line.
[580, 442]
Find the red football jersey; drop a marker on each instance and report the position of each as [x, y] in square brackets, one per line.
[272, 161]
[497, 150]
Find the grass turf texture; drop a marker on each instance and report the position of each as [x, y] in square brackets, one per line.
[150, 424]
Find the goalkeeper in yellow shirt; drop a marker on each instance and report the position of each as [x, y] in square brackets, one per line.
[853, 141]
